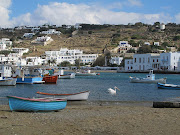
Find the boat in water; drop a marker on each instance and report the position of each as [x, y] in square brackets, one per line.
[50, 79]
[75, 96]
[150, 78]
[86, 73]
[168, 86]
[67, 76]
[36, 104]
[7, 81]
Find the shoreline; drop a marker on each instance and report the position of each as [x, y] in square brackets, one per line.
[92, 120]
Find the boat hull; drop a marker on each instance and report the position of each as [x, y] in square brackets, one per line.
[35, 105]
[70, 97]
[68, 76]
[85, 74]
[168, 86]
[134, 80]
[8, 82]
[50, 79]
[29, 80]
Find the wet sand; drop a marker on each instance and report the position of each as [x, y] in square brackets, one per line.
[93, 119]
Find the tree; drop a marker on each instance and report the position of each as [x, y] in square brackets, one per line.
[65, 64]
[77, 63]
[100, 61]
[144, 49]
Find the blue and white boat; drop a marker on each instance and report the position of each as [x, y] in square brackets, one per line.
[168, 86]
[150, 78]
[36, 104]
[29, 75]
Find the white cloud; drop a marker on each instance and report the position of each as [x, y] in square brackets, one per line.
[64, 13]
[4, 13]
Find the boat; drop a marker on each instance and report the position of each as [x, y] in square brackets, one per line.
[67, 76]
[29, 75]
[168, 86]
[7, 81]
[150, 78]
[86, 73]
[75, 96]
[35, 104]
[50, 79]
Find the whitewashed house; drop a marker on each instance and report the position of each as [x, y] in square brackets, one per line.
[51, 31]
[128, 64]
[70, 55]
[21, 51]
[28, 35]
[156, 43]
[2, 46]
[33, 61]
[170, 61]
[123, 47]
[116, 60]
[43, 40]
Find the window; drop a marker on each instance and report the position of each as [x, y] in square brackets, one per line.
[139, 60]
[134, 60]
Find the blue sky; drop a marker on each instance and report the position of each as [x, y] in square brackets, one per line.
[37, 12]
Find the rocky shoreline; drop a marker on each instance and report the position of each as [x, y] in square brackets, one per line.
[93, 119]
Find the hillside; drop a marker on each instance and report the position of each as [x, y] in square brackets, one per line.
[95, 39]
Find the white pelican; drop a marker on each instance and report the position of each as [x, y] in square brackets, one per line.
[113, 91]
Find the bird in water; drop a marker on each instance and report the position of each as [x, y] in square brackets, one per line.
[113, 91]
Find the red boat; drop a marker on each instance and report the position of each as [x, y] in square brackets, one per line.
[50, 79]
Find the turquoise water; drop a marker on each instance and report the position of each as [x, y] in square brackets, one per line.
[98, 86]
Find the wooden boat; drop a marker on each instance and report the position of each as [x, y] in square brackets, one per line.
[50, 79]
[150, 78]
[36, 104]
[168, 86]
[7, 81]
[75, 96]
[67, 76]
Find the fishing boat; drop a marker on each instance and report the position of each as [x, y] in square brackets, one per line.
[7, 81]
[28, 75]
[75, 96]
[35, 104]
[50, 79]
[150, 78]
[168, 86]
[67, 76]
[86, 73]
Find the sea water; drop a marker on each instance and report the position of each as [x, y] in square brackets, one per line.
[98, 86]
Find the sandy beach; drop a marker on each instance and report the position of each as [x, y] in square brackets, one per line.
[93, 119]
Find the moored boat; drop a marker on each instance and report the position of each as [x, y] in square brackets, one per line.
[150, 78]
[36, 104]
[50, 79]
[85, 73]
[67, 76]
[168, 86]
[75, 96]
[7, 81]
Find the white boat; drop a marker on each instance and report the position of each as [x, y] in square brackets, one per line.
[72, 97]
[67, 76]
[86, 73]
[150, 78]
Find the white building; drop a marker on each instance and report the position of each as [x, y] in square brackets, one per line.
[21, 51]
[70, 55]
[170, 61]
[164, 61]
[124, 47]
[28, 35]
[51, 31]
[33, 61]
[162, 26]
[2, 46]
[116, 60]
[156, 43]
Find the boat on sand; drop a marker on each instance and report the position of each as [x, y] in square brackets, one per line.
[36, 104]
